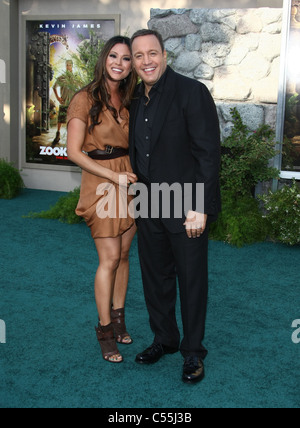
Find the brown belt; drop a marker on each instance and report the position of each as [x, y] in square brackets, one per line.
[109, 153]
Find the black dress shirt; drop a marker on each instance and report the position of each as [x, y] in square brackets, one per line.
[147, 109]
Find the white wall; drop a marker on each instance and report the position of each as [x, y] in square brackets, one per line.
[60, 181]
[135, 14]
[4, 82]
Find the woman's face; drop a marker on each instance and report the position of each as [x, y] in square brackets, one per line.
[119, 63]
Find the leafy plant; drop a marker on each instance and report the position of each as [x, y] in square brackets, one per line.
[246, 157]
[10, 180]
[245, 162]
[289, 155]
[240, 222]
[283, 214]
[86, 57]
[63, 210]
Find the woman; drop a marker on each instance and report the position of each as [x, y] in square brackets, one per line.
[98, 126]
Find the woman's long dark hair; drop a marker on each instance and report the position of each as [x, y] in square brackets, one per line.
[97, 89]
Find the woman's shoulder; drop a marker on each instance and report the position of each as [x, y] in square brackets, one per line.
[81, 96]
[80, 106]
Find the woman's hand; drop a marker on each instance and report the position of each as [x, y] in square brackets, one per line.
[124, 179]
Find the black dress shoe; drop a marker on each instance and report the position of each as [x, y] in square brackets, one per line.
[193, 370]
[154, 353]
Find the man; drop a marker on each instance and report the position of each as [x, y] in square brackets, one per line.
[68, 86]
[174, 138]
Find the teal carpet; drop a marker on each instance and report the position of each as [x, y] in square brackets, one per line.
[51, 357]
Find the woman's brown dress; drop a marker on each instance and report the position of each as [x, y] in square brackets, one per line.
[108, 133]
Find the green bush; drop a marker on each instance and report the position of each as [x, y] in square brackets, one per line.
[63, 210]
[283, 214]
[246, 157]
[245, 162]
[10, 180]
[240, 222]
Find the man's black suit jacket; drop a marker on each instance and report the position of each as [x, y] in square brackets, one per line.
[185, 142]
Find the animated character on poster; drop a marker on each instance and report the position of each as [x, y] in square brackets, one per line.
[64, 89]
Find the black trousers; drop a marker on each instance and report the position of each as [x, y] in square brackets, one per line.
[164, 257]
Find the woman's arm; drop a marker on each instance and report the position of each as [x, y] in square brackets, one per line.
[76, 136]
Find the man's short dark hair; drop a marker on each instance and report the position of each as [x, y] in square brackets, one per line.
[142, 33]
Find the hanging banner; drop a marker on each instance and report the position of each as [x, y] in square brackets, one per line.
[60, 59]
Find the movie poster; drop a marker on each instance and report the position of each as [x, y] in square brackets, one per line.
[291, 151]
[60, 60]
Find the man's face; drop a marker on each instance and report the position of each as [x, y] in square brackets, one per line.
[149, 60]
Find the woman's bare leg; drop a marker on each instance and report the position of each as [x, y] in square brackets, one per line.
[109, 251]
[122, 275]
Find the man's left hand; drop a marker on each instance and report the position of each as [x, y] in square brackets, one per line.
[195, 224]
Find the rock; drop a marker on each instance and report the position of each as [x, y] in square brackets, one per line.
[237, 54]
[266, 90]
[270, 16]
[187, 61]
[199, 16]
[249, 22]
[173, 26]
[251, 41]
[254, 67]
[214, 54]
[230, 22]
[230, 85]
[218, 15]
[193, 42]
[174, 45]
[252, 115]
[161, 13]
[271, 116]
[275, 28]
[216, 33]
[205, 72]
[270, 46]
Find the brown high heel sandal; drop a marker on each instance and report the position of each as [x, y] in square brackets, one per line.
[107, 341]
[118, 322]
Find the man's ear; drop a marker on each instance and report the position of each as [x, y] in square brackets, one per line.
[165, 55]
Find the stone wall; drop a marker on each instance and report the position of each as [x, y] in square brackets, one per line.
[235, 52]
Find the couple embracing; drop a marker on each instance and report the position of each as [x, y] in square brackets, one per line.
[164, 130]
